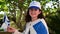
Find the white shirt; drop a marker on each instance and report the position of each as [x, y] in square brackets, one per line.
[29, 26]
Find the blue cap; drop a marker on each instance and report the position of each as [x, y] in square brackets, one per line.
[35, 4]
[34, 7]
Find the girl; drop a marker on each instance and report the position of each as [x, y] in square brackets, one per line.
[35, 21]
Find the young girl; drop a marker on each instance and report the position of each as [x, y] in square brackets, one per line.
[35, 21]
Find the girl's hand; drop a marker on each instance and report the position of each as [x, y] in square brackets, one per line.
[10, 29]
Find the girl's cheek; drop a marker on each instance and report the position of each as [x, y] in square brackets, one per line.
[30, 13]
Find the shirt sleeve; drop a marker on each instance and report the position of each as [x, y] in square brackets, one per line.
[17, 32]
[24, 32]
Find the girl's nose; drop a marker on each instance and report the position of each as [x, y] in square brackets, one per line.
[33, 11]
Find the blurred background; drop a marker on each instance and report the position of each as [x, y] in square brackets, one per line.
[17, 9]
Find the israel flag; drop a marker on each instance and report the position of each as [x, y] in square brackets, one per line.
[6, 22]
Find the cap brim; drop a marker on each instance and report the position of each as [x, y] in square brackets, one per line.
[34, 7]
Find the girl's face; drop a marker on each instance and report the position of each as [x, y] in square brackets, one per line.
[34, 12]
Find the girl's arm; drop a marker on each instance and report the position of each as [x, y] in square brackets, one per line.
[44, 23]
[15, 31]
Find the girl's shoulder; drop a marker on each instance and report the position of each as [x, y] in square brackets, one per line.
[35, 22]
[42, 20]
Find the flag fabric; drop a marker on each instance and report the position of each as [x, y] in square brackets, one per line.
[6, 22]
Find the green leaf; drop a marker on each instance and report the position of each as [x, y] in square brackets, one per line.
[2, 0]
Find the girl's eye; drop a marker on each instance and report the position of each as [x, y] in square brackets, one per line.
[31, 9]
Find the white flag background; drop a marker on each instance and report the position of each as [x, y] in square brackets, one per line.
[6, 22]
